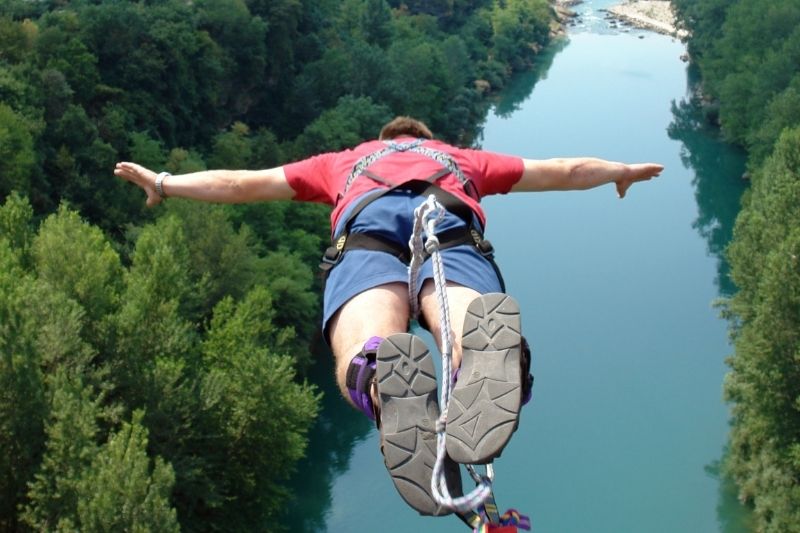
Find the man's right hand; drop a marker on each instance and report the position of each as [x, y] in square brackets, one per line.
[141, 176]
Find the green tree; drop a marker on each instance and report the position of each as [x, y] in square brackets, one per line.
[232, 149]
[520, 28]
[72, 433]
[243, 49]
[255, 405]
[78, 260]
[203, 318]
[366, 21]
[59, 47]
[22, 402]
[783, 112]
[764, 382]
[17, 155]
[124, 490]
[56, 94]
[16, 225]
[184, 161]
[267, 151]
[353, 120]
[157, 291]
[146, 150]
[222, 261]
[16, 39]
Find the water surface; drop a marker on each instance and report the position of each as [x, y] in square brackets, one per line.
[627, 424]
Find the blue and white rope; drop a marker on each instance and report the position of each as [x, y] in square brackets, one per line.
[426, 216]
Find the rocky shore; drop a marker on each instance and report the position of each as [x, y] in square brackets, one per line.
[656, 15]
[563, 15]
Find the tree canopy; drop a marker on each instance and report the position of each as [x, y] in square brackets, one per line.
[152, 361]
[748, 52]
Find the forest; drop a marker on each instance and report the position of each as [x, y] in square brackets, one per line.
[748, 54]
[153, 362]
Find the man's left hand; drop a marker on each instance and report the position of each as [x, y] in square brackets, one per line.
[637, 172]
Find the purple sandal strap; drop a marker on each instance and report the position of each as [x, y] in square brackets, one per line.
[360, 374]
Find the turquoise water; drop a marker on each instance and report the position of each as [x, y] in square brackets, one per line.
[627, 424]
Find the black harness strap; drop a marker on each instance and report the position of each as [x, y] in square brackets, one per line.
[471, 234]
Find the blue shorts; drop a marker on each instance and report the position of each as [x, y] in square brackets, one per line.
[392, 216]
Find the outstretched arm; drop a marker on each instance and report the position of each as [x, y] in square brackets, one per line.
[581, 173]
[225, 186]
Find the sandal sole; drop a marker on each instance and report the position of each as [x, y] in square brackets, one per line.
[409, 408]
[485, 402]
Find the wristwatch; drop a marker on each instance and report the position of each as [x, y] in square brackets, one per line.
[159, 182]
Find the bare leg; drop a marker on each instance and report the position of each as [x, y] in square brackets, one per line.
[405, 406]
[458, 299]
[380, 311]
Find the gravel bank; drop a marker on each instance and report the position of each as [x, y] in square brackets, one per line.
[656, 15]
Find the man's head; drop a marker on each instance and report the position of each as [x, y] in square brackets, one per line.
[405, 126]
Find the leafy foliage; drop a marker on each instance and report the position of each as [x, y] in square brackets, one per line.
[750, 70]
[87, 342]
[765, 381]
[748, 52]
[121, 490]
[151, 362]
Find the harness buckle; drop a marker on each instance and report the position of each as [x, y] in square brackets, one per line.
[476, 236]
[483, 245]
[333, 254]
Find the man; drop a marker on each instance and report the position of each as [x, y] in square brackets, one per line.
[380, 368]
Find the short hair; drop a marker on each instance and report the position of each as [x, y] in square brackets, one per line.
[405, 126]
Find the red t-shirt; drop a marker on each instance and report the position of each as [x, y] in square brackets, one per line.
[321, 178]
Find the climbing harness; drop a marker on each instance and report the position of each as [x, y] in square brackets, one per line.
[444, 159]
[477, 508]
[471, 233]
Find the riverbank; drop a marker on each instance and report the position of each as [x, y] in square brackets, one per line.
[564, 14]
[656, 15]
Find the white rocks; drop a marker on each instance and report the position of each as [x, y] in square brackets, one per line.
[656, 15]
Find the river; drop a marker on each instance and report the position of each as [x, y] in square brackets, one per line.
[627, 425]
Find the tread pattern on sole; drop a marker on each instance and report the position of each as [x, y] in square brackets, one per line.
[485, 403]
[409, 408]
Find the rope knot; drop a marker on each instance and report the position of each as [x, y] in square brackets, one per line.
[432, 244]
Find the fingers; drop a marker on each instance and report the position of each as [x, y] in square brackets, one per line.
[140, 176]
[646, 171]
[135, 173]
[639, 172]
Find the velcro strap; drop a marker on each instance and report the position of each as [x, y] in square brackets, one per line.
[359, 374]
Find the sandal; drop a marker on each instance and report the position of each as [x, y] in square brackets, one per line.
[408, 409]
[486, 399]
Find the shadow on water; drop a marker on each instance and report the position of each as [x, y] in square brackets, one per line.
[718, 169]
[337, 429]
[732, 516]
[521, 86]
[718, 180]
